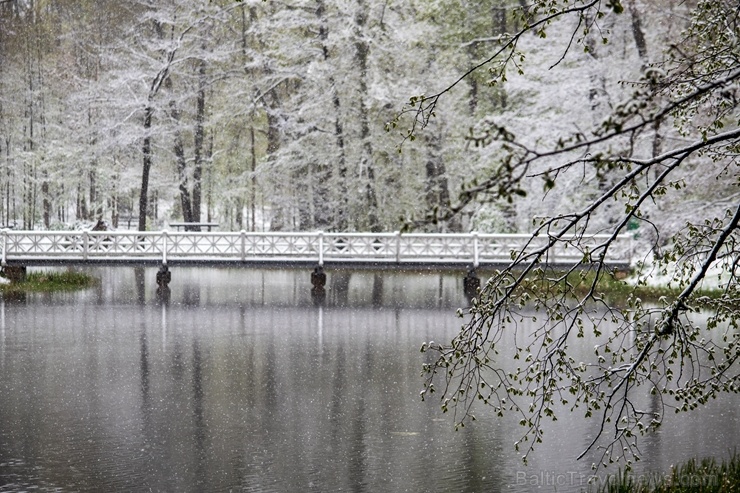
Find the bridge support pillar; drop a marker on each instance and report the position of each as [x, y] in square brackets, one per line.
[318, 281]
[164, 276]
[14, 273]
[471, 284]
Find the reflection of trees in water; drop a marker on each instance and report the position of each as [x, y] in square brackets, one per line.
[377, 297]
[200, 428]
[387, 288]
[338, 393]
[196, 286]
[653, 439]
[144, 371]
[440, 291]
[191, 293]
[246, 397]
[358, 453]
[140, 284]
[339, 287]
[149, 430]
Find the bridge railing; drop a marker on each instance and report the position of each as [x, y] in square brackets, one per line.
[319, 247]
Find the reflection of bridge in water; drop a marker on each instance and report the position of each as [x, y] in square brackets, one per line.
[317, 250]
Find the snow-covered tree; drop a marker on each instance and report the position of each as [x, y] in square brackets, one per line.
[164, 71]
[268, 115]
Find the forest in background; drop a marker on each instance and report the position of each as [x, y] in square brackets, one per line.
[272, 115]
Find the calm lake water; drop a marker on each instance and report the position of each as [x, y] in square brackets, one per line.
[243, 383]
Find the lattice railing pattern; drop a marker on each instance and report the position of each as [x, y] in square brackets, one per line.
[319, 247]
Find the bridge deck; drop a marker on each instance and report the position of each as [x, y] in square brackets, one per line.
[339, 250]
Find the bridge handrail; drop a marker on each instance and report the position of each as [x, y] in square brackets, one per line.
[316, 246]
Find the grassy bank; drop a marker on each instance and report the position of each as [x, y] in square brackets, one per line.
[50, 281]
[615, 290]
[621, 289]
[706, 476]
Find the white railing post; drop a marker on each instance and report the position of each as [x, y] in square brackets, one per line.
[244, 245]
[398, 247]
[5, 247]
[321, 248]
[164, 247]
[85, 246]
[476, 260]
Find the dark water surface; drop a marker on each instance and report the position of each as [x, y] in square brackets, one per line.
[242, 383]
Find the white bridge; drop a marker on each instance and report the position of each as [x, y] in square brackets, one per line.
[341, 250]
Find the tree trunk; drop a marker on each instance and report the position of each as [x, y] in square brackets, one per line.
[253, 180]
[436, 187]
[29, 141]
[279, 216]
[182, 177]
[362, 51]
[95, 207]
[642, 51]
[146, 150]
[181, 163]
[208, 158]
[339, 221]
[638, 33]
[160, 78]
[46, 202]
[199, 138]
[473, 83]
[501, 26]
